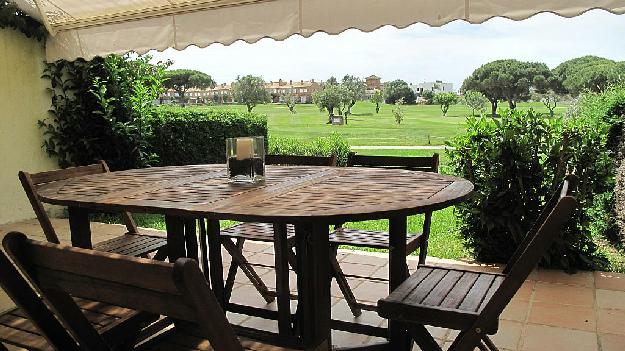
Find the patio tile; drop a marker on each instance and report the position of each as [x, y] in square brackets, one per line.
[516, 310]
[381, 273]
[262, 259]
[358, 269]
[611, 299]
[248, 295]
[341, 311]
[610, 281]
[564, 294]
[371, 291]
[581, 278]
[363, 258]
[508, 335]
[345, 339]
[525, 292]
[353, 284]
[611, 321]
[251, 246]
[261, 323]
[611, 342]
[540, 338]
[574, 317]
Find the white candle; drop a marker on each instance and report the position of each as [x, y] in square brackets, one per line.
[245, 148]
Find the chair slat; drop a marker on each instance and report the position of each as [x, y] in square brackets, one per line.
[439, 293]
[460, 290]
[477, 293]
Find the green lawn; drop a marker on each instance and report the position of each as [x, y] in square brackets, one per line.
[422, 124]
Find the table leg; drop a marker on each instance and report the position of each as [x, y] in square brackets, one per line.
[175, 238]
[313, 285]
[281, 249]
[190, 237]
[204, 248]
[398, 273]
[214, 255]
[80, 228]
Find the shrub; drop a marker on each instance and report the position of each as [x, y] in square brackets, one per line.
[324, 146]
[515, 164]
[101, 110]
[197, 135]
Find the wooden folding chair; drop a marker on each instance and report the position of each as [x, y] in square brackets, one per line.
[33, 326]
[380, 239]
[178, 291]
[132, 243]
[263, 232]
[473, 301]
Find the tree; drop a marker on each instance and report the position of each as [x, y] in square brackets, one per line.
[377, 98]
[475, 100]
[428, 96]
[550, 100]
[182, 79]
[445, 100]
[508, 80]
[586, 73]
[332, 81]
[329, 98]
[355, 89]
[398, 111]
[397, 89]
[250, 90]
[290, 100]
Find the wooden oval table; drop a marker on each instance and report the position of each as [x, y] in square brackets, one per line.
[311, 198]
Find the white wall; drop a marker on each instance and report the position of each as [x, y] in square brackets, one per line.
[23, 101]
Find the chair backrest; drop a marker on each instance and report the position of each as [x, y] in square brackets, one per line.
[18, 289]
[178, 290]
[417, 163]
[31, 181]
[538, 240]
[297, 160]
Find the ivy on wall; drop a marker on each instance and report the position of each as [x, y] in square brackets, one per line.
[12, 17]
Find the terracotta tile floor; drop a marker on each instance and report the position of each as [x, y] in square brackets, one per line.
[553, 310]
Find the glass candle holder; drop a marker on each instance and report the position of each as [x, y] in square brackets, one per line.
[246, 159]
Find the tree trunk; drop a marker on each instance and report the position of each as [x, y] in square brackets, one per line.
[377, 108]
[249, 107]
[512, 104]
[494, 108]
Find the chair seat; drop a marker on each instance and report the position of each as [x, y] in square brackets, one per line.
[184, 339]
[370, 238]
[132, 244]
[17, 330]
[256, 231]
[441, 297]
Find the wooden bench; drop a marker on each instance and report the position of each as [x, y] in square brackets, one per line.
[468, 301]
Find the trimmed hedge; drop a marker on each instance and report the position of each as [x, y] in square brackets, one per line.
[189, 135]
[324, 146]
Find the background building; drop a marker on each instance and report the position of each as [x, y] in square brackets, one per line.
[438, 87]
[302, 89]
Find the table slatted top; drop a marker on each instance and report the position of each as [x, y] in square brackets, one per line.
[290, 193]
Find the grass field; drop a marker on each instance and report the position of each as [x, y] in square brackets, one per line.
[422, 124]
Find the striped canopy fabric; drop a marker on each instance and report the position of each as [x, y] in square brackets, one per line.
[91, 28]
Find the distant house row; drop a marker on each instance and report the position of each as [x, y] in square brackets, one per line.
[222, 93]
[303, 90]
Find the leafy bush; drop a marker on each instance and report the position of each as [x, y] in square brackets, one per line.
[101, 109]
[324, 146]
[197, 135]
[515, 164]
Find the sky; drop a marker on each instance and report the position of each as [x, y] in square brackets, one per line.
[415, 54]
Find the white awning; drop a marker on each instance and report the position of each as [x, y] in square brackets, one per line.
[88, 28]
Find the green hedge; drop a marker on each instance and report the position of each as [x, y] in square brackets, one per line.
[197, 135]
[515, 162]
[324, 146]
